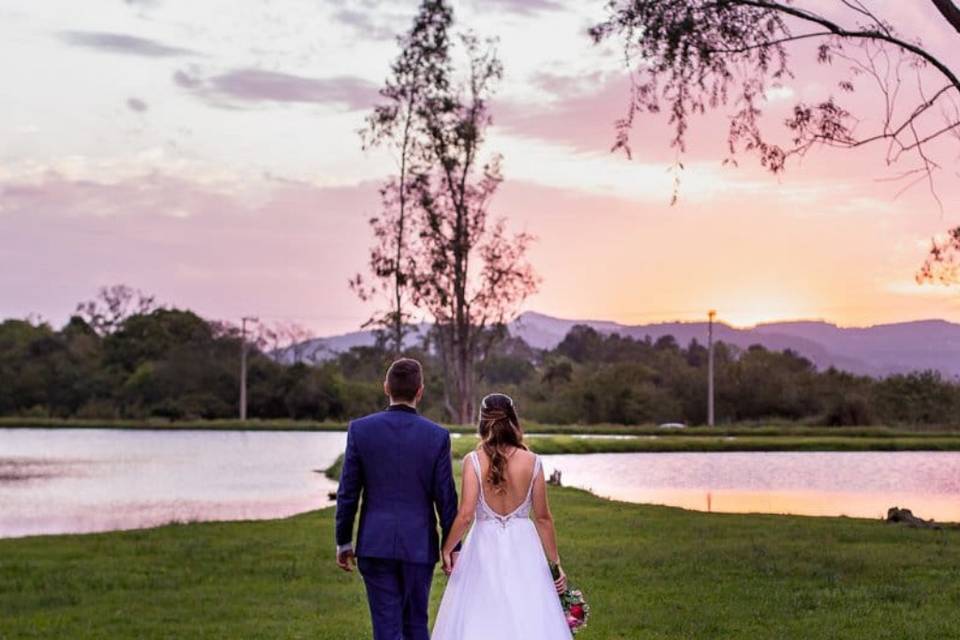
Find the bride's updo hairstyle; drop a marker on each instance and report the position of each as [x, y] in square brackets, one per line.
[499, 428]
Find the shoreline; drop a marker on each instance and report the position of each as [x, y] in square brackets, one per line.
[570, 445]
[737, 429]
[603, 501]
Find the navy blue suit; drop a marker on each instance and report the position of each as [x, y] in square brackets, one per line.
[400, 463]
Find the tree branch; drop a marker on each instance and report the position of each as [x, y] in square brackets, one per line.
[949, 11]
[868, 34]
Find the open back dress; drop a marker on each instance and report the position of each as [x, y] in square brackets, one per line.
[501, 587]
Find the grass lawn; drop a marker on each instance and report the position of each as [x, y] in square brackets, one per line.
[753, 430]
[557, 444]
[649, 572]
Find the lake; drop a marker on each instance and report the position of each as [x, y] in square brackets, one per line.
[857, 484]
[84, 480]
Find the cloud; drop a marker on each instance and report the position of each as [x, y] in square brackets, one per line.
[123, 44]
[575, 112]
[580, 111]
[521, 6]
[562, 85]
[364, 24]
[186, 81]
[203, 245]
[136, 104]
[58, 196]
[257, 85]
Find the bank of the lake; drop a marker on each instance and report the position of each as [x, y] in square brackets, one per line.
[674, 443]
[746, 429]
[649, 572]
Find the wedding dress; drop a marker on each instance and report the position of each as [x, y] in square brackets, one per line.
[501, 587]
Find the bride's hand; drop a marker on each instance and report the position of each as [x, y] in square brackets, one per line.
[447, 563]
[561, 582]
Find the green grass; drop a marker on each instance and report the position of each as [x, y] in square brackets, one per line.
[761, 429]
[649, 573]
[559, 444]
[569, 444]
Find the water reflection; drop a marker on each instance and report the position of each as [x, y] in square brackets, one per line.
[858, 484]
[71, 481]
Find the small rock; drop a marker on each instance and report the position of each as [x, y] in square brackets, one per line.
[905, 516]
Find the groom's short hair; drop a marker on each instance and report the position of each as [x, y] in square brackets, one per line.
[404, 379]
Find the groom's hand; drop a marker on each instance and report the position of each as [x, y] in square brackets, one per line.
[449, 561]
[345, 558]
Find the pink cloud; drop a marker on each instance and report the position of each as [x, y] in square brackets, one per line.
[258, 85]
[123, 43]
[285, 251]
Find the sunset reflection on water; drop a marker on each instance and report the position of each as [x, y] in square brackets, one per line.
[856, 484]
[86, 480]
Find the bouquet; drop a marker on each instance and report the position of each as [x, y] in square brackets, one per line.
[575, 607]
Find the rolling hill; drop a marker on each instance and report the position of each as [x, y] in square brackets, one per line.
[878, 350]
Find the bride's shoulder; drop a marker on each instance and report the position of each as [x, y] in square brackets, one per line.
[526, 453]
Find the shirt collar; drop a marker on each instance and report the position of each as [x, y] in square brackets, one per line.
[402, 407]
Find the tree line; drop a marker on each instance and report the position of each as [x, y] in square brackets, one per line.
[173, 364]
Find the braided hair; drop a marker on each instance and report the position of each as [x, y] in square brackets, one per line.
[499, 428]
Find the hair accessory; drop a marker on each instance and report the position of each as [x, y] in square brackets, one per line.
[483, 403]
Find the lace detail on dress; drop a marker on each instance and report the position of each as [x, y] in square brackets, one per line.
[486, 513]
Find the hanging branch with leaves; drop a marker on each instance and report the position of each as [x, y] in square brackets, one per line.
[693, 56]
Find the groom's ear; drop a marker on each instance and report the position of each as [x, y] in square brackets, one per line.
[386, 389]
[419, 395]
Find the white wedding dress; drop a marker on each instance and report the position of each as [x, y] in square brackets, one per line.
[501, 587]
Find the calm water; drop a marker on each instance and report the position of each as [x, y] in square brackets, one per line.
[862, 484]
[71, 481]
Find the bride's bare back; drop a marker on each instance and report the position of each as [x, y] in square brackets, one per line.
[518, 476]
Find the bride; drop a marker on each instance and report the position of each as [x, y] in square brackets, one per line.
[501, 585]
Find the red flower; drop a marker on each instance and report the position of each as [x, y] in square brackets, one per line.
[577, 611]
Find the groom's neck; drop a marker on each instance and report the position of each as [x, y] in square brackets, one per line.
[403, 403]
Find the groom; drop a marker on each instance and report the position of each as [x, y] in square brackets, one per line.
[400, 463]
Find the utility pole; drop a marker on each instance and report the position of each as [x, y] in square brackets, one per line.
[711, 315]
[243, 365]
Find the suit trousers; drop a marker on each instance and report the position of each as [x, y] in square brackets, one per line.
[399, 596]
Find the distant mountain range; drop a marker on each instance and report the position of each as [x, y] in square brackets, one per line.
[879, 350]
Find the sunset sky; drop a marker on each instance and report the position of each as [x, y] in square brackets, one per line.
[207, 152]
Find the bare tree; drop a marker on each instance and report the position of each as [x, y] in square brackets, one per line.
[269, 338]
[295, 339]
[113, 305]
[692, 56]
[472, 275]
[390, 264]
[467, 272]
[395, 124]
[281, 339]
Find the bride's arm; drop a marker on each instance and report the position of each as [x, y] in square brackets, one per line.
[468, 508]
[543, 520]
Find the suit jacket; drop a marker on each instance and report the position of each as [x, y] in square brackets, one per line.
[399, 462]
